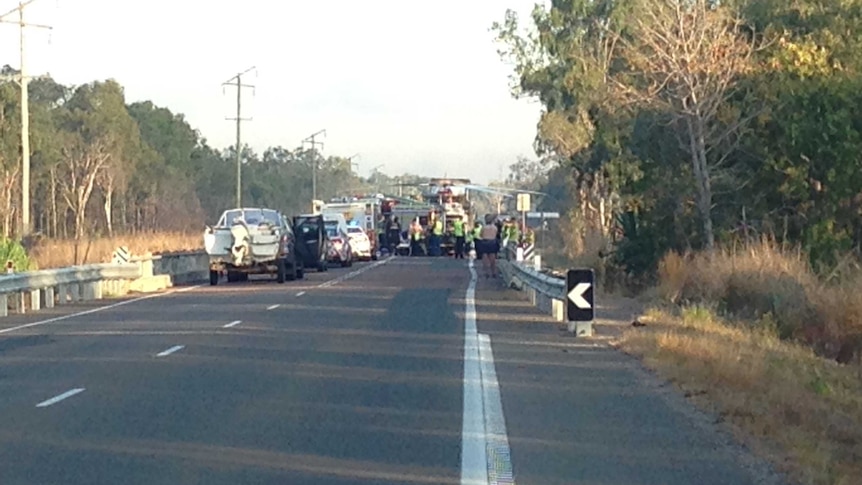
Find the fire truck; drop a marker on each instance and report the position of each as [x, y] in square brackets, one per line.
[450, 199]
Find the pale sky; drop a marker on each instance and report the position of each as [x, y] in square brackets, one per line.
[414, 86]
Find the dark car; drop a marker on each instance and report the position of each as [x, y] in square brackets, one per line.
[312, 243]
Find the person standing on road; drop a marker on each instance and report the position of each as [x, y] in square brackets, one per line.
[490, 247]
[393, 232]
[415, 238]
[477, 239]
[436, 237]
[458, 232]
[499, 224]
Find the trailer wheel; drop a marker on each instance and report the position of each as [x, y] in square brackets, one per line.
[214, 275]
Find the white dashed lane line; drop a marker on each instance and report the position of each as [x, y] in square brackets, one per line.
[170, 350]
[60, 397]
[300, 293]
[273, 307]
[233, 324]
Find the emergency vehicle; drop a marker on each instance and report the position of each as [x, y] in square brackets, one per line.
[450, 199]
[358, 212]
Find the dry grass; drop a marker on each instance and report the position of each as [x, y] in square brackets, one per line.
[54, 253]
[800, 410]
[767, 283]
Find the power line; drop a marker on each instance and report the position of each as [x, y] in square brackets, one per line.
[236, 81]
[23, 82]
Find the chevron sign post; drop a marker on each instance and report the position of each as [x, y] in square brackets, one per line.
[580, 301]
[121, 255]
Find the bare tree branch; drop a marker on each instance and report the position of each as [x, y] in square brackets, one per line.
[684, 58]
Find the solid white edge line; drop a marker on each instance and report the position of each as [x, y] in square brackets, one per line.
[497, 440]
[95, 310]
[273, 307]
[60, 397]
[233, 324]
[170, 350]
[474, 462]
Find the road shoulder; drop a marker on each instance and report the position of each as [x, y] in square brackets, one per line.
[577, 409]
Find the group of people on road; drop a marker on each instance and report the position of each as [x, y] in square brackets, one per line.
[485, 240]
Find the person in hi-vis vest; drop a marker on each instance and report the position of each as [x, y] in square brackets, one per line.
[458, 232]
[436, 238]
[416, 238]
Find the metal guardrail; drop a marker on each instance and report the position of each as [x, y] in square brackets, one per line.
[37, 280]
[546, 288]
[30, 290]
[549, 285]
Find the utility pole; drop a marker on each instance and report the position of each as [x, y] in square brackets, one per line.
[26, 226]
[350, 161]
[313, 144]
[376, 173]
[237, 82]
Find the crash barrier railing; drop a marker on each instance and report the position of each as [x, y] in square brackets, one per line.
[32, 290]
[545, 289]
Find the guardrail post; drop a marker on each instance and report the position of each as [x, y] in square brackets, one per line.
[558, 310]
[4, 305]
[19, 302]
[35, 300]
[96, 289]
[87, 292]
[49, 297]
[146, 264]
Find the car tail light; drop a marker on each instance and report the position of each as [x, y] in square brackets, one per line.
[337, 240]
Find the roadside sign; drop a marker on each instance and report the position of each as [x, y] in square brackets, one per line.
[523, 202]
[580, 295]
[543, 215]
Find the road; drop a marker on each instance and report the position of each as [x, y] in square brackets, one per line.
[407, 370]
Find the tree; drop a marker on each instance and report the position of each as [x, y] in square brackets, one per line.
[98, 142]
[684, 58]
[101, 166]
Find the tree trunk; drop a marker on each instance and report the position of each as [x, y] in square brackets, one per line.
[8, 186]
[124, 212]
[53, 216]
[109, 195]
[702, 180]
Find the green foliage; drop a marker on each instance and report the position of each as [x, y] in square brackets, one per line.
[100, 166]
[791, 172]
[13, 251]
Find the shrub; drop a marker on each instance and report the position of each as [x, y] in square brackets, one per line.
[767, 283]
[13, 251]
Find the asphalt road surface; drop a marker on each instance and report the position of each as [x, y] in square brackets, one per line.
[407, 370]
